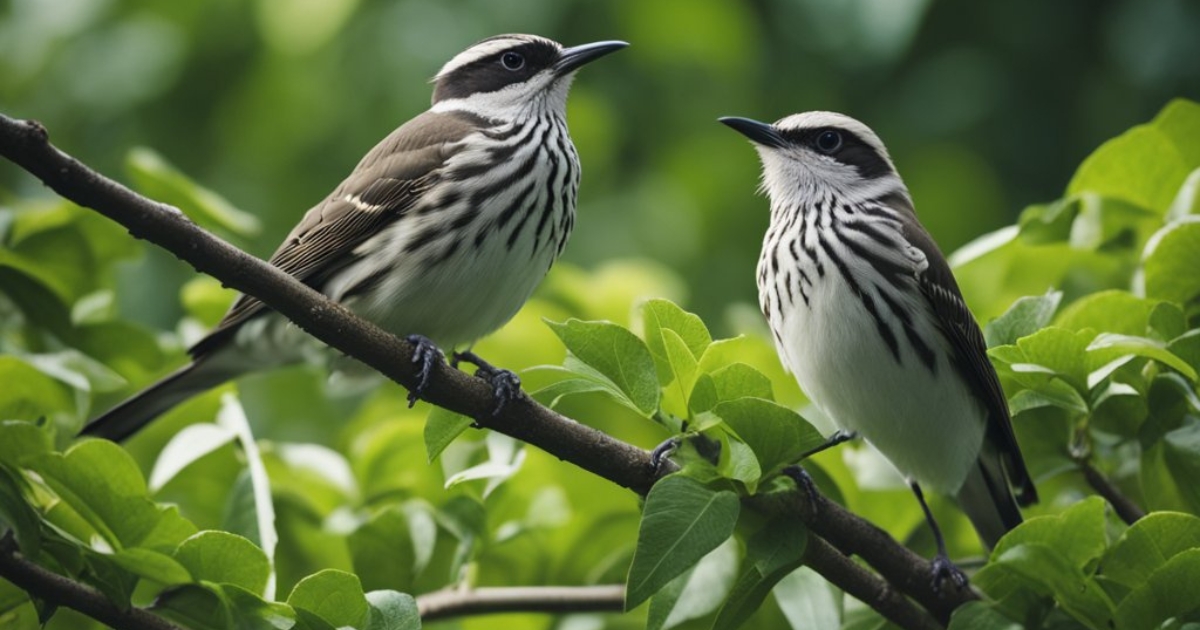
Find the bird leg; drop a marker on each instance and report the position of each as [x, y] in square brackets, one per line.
[506, 386]
[837, 437]
[943, 568]
[426, 354]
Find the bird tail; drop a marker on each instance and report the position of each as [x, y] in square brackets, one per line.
[987, 499]
[130, 416]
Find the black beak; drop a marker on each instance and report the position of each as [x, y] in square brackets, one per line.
[759, 133]
[570, 59]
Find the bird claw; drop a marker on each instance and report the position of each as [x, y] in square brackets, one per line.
[662, 453]
[506, 385]
[426, 354]
[804, 482]
[942, 569]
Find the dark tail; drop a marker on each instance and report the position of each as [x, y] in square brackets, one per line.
[129, 417]
[987, 499]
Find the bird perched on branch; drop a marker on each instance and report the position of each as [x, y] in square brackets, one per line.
[440, 233]
[868, 317]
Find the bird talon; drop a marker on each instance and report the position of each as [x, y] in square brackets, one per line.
[662, 453]
[426, 354]
[805, 483]
[506, 385]
[943, 569]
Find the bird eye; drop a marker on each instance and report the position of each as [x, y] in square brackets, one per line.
[512, 61]
[829, 141]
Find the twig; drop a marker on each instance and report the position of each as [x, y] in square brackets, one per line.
[1124, 506]
[61, 591]
[453, 602]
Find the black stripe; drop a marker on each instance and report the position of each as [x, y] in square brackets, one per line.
[520, 200]
[367, 284]
[886, 333]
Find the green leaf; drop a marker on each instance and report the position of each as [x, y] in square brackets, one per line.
[28, 394]
[776, 434]
[196, 606]
[1042, 568]
[1051, 351]
[382, 550]
[1026, 316]
[252, 612]
[152, 565]
[21, 441]
[772, 553]
[1108, 311]
[609, 354]
[698, 591]
[1181, 453]
[77, 370]
[1107, 347]
[206, 299]
[683, 364]
[682, 521]
[808, 600]
[1170, 261]
[225, 558]
[390, 610]
[1146, 164]
[1187, 200]
[441, 427]
[1168, 592]
[156, 178]
[980, 616]
[335, 596]
[553, 393]
[1077, 534]
[1148, 544]
[660, 315]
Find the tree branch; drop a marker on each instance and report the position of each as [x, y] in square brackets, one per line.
[26, 144]
[454, 602]
[61, 591]
[1129, 511]
[865, 586]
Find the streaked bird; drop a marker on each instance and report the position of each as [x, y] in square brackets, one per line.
[868, 317]
[440, 233]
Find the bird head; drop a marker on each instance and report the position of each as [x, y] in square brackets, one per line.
[513, 76]
[813, 152]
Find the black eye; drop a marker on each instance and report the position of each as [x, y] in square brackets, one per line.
[829, 141]
[512, 60]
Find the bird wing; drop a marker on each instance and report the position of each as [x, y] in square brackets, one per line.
[386, 184]
[940, 289]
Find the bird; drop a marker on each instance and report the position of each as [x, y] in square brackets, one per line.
[867, 316]
[440, 233]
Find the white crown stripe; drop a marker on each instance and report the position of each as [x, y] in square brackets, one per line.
[486, 49]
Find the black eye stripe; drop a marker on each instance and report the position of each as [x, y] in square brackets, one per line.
[853, 151]
[490, 73]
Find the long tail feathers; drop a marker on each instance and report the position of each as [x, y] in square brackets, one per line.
[129, 417]
[987, 499]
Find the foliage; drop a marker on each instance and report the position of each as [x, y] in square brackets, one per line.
[1100, 370]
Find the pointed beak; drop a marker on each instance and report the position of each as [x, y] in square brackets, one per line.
[759, 133]
[570, 59]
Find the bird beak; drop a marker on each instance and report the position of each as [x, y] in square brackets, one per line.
[570, 59]
[759, 133]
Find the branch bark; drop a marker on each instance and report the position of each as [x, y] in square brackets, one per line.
[61, 591]
[454, 602]
[26, 144]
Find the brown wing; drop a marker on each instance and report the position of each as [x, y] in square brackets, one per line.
[387, 183]
[958, 325]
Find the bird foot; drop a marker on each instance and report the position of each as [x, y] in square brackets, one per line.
[506, 385]
[662, 453]
[426, 354]
[942, 570]
[805, 483]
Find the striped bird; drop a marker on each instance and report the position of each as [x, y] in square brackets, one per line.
[868, 317]
[440, 233]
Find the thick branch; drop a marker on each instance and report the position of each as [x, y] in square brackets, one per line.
[865, 586]
[60, 591]
[1129, 511]
[26, 144]
[454, 602]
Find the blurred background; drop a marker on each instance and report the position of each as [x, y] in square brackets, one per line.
[986, 107]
